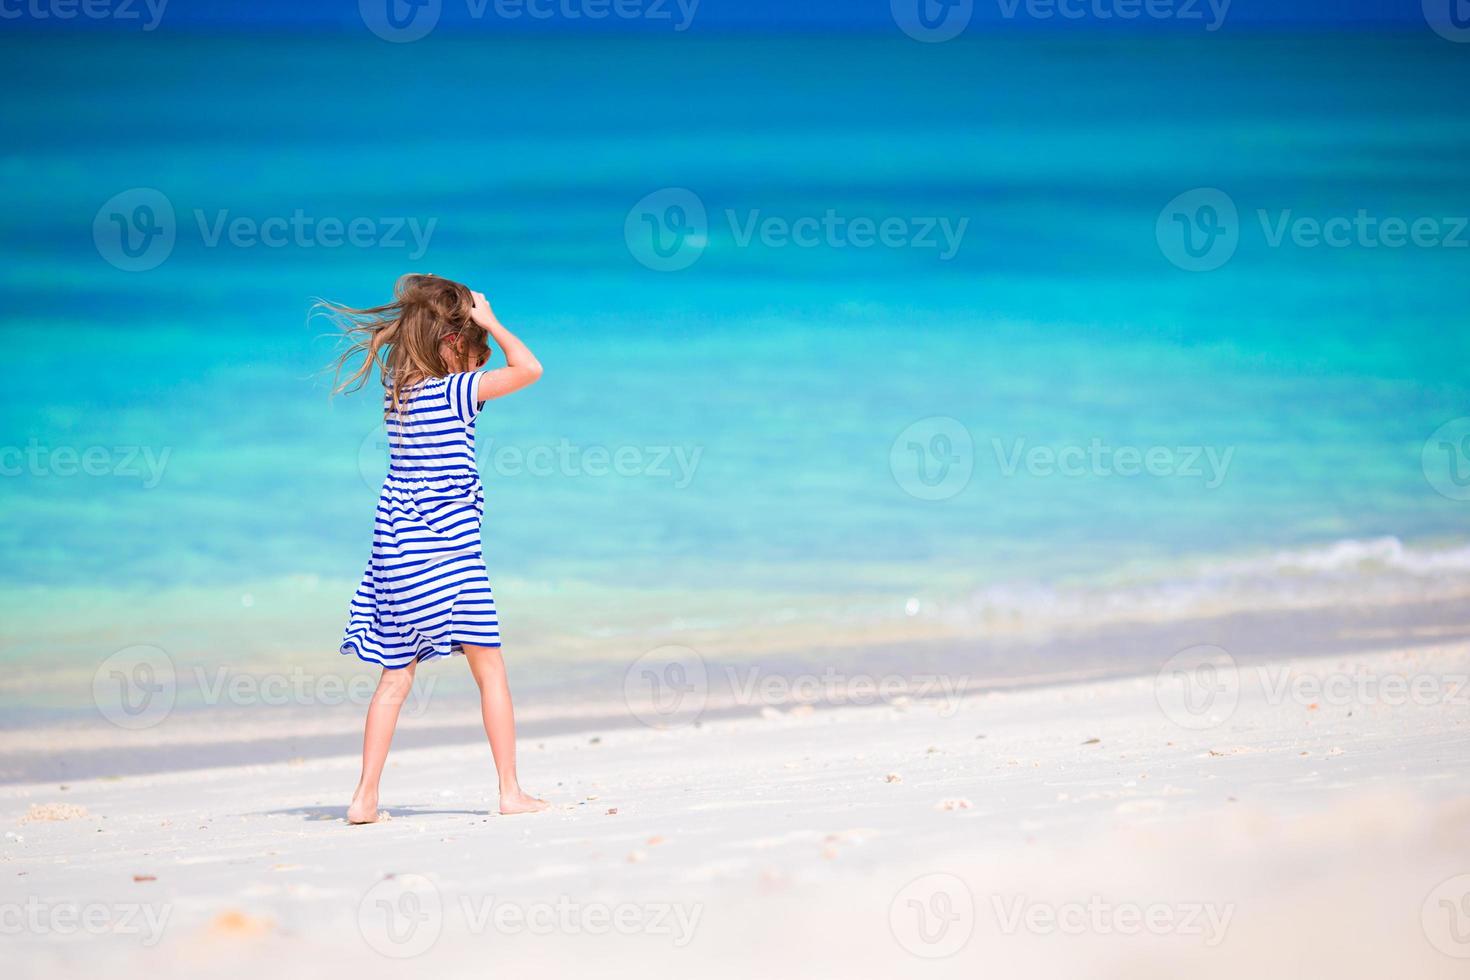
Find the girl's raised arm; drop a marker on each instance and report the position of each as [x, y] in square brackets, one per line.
[521, 367]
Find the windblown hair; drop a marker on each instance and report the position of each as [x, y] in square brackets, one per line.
[404, 339]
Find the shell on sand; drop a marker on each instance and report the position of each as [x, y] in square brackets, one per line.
[236, 924]
[53, 811]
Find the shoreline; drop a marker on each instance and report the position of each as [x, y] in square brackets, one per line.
[246, 733]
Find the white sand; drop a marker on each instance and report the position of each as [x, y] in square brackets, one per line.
[1286, 841]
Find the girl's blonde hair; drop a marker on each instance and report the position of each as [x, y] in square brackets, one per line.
[404, 339]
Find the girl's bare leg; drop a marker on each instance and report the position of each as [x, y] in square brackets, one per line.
[500, 727]
[377, 735]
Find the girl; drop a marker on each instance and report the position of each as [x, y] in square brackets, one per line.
[425, 592]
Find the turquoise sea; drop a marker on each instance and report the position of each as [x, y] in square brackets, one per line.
[815, 432]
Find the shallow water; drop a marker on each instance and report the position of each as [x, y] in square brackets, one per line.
[830, 433]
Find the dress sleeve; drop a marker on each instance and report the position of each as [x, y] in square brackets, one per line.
[461, 391]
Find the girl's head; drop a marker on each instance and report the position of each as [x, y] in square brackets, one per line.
[426, 332]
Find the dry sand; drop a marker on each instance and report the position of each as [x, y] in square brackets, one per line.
[1318, 827]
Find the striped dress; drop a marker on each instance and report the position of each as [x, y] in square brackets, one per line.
[425, 591]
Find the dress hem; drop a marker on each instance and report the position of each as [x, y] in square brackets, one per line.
[457, 650]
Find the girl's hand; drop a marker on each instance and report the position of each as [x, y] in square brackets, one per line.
[481, 313]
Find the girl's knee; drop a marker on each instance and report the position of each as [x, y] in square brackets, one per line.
[400, 679]
[484, 660]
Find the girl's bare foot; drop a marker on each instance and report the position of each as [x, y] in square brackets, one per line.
[363, 810]
[519, 801]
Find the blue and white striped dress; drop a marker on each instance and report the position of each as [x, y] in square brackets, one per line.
[425, 591]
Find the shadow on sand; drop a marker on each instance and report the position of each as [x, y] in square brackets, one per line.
[396, 812]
